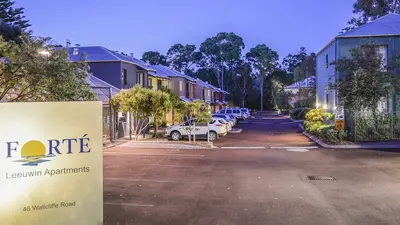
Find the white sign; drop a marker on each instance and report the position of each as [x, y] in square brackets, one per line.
[339, 113]
[51, 163]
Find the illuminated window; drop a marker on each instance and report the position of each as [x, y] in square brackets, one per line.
[180, 85]
[124, 77]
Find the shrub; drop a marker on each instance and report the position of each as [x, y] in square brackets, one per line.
[333, 136]
[303, 112]
[299, 113]
[315, 115]
[329, 116]
[317, 126]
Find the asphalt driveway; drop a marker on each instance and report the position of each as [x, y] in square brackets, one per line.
[237, 184]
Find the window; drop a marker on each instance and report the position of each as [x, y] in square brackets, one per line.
[124, 77]
[187, 89]
[327, 61]
[229, 111]
[236, 111]
[150, 82]
[381, 50]
[180, 86]
[159, 84]
[222, 121]
[208, 93]
[223, 111]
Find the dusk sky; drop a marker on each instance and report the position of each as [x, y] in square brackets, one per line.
[139, 26]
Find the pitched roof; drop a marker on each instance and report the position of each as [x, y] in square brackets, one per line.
[388, 25]
[163, 70]
[155, 74]
[101, 88]
[208, 85]
[385, 25]
[101, 54]
[306, 83]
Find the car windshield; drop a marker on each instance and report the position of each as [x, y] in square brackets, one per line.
[243, 110]
[222, 121]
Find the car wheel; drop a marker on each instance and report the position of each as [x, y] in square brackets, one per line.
[212, 136]
[176, 136]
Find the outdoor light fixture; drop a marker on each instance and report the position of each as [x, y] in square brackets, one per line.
[325, 106]
[334, 108]
[317, 105]
[44, 52]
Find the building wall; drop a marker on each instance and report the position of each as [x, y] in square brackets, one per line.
[132, 80]
[324, 73]
[198, 91]
[345, 45]
[110, 72]
[175, 85]
[192, 91]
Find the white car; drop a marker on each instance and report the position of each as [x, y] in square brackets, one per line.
[226, 117]
[246, 112]
[217, 128]
[235, 111]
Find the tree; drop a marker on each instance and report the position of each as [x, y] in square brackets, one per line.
[368, 10]
[282, 101]
[141, 103]
[290, 62]
[220, 52]
[154, 58]
[175, 102]
[13, 16]
[182, 57]
[12, 21]
[263, 61]
[243, 80]
[195, 111]
[27, 75]
[363, 82]
[305, 71]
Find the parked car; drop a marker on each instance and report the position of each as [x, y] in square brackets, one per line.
[233, 118]
[226, 117]
[223, 121]
[246, 112]
[235, 111]
[217, 128]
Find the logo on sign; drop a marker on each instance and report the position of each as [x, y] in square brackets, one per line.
[35, 152]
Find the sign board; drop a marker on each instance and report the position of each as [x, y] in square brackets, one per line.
[339, 124]
[339, 113]
[51, 163]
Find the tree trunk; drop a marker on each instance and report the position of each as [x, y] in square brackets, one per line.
[155, 127]
[262, 94]
[222, 76]
[130, 125]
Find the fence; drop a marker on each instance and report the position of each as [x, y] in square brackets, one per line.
[365, 126]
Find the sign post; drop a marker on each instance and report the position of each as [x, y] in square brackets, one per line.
[51, 163]
[339, 118]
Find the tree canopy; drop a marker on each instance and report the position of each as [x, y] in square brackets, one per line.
[364, 69]
[28, 75]
[182, 57]
[154, 58]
